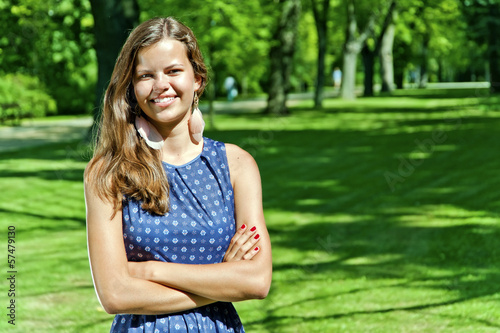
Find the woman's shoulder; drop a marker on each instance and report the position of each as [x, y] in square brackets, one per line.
[93, 171]
[91, 165]
[235, 152]
[239, 160]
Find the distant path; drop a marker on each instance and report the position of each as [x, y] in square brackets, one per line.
[34, 133]
[258, 104]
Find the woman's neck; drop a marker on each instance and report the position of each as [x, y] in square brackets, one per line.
[179, 148]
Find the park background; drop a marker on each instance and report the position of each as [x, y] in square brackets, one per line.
[381, 196]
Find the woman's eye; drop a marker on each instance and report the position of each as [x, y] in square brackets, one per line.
[144, 76]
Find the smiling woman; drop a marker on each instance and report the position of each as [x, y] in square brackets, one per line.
[175, 223]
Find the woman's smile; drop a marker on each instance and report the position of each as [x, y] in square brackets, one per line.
[163, 102]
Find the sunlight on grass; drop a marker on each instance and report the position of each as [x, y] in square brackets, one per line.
[353, 249]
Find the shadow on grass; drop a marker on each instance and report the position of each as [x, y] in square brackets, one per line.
[40, 218]
[72, 150]
[438, 211]
[61, 156]
[71, 174]
[443, 93]
[440, 214]
[274, 321]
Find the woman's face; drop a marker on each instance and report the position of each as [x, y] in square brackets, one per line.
[164, 83]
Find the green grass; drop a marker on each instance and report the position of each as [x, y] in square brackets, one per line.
[351, 252]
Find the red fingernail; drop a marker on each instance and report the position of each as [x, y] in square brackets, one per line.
[256, 249]
[243, 226]
[256, 236]
[253, 229]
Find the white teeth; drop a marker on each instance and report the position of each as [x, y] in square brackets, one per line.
[164, 100]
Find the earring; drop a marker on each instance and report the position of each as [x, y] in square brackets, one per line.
[196, 122]
[148, 132]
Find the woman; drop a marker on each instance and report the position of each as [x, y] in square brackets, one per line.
[173, 219]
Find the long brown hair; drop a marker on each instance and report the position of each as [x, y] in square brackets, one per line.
[123, 164]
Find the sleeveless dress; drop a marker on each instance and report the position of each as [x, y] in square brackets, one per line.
[196, 230]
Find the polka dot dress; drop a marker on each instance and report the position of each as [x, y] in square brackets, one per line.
[196, 230]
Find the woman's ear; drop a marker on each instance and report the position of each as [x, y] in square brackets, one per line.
[197, 82]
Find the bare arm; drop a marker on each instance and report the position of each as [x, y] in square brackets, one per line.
[117, 290]
[236, 280]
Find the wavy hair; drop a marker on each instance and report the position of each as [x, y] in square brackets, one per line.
[123, 164]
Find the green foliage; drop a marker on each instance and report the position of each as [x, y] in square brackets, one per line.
[441, 26]
[52, 40]
[482, 19]
[233, 36]
[305, 57]
[23, 96]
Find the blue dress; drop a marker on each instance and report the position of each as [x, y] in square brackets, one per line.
[196, 230]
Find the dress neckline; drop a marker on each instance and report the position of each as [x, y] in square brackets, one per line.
[197, 157]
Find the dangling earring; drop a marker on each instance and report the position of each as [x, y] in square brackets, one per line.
[148, 132]
[196, 122]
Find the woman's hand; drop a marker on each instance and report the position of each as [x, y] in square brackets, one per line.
[242, 246]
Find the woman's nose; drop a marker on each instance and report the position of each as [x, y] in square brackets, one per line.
[161, 83]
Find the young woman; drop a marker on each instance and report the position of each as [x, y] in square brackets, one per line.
[175, 223]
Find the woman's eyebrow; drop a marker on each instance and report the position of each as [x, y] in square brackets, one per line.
[145, 70]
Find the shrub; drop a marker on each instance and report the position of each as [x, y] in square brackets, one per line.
[23, 96]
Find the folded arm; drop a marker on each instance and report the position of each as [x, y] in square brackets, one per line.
[118, 291]
[235, 280]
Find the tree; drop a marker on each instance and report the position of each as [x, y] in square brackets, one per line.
[384, 39]
[386, 51]
[437, 41]
[424, 45]
[304, 73]
[53, 41]
[352, 47]
[483, 18]
[113, 20]
[281, 56]
[429, 43]
[320, 12]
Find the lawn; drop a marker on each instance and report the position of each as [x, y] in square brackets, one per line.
[383, 214]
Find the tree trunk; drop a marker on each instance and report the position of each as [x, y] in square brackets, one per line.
[368, 57]
[424, 75]
[321, 19]
[401, 52]
[494, 64]
[494, 49]
[281, 56]
[386, 57]
[351, 50]
[113, 20]
[381, 43]
[349, 73]
[399, 77]
[352, 47]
